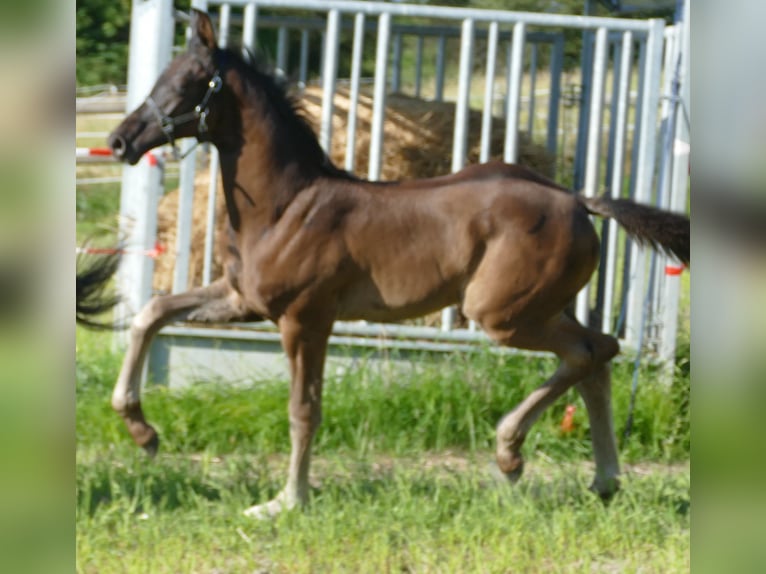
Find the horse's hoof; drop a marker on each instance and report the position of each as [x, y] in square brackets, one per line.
[511, 465]
[267, 510]
[606, 490]
[152, 445]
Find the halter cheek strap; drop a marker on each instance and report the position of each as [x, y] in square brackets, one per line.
[199, 114]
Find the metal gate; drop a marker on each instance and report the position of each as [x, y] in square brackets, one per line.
[621, 118]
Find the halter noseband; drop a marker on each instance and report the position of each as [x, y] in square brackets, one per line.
[200, 113]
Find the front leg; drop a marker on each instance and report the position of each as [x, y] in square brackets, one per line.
[305, 342]
[217, 302]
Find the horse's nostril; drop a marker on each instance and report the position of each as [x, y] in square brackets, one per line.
[119, 146]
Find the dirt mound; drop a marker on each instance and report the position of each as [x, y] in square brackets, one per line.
[417, 144]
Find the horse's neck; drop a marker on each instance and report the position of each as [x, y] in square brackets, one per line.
[262, 174]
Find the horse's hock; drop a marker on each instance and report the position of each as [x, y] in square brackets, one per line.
[417, 144]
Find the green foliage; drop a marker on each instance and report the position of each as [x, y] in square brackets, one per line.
[103, 31]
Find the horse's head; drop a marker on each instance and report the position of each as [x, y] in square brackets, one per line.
[179, 104]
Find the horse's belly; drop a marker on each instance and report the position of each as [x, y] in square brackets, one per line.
[394, 301]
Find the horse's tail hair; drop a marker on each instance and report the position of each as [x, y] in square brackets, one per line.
[663, 230]
[93, 295]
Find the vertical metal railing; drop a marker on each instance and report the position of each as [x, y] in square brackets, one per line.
[644, 167]
[224, 18]
[379, 97]
[593, 153]
[513, 94]
[329, 76]
[489, 93]
[353, 98]
[622, 100]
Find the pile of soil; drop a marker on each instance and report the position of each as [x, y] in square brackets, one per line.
[417, 143]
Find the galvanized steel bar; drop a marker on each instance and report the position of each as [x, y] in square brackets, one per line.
[645, 168]
[627, 261]
[379, 98]
[210, 230]
[532, 82]
[515, 76]
[418, 65]
[678, 198]
[356, 73]
[667, 134]
[557, 66]
[224, 18]
[489, 93]
[616, 72]
[596, 115]
[593, 155]
[210, 227]
[451, 13]
[329, 73]
[396, 73]
[622, 97]
[185, 216]
[283, 50]
[460, 138]
[249, 27]
[303, 66]
[441, 49]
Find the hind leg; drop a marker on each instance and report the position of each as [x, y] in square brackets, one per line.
[596, 391]
[583, 354]
[215, 303]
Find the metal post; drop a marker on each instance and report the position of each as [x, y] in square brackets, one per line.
[645, 168]
[489, 93]
[418, 65]
[210, 227]
[356, 73]
[629, 334]
[583, 120]
[557, 65]
[151, 33]
[441, 48]
[329, 73]
[618, 162]
[460, 138]
[379, 98]
[185, 216]
[224, 17]
[681, 148]
[249, 27]
[593, 157]
[396, 74]
[511, 153]
[283, 48]
[303, 69]
[532, 82]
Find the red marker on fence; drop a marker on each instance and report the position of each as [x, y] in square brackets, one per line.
[158, 250]
[674, 269]
[567, 423]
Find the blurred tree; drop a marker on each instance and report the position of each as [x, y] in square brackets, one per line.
[103, 31]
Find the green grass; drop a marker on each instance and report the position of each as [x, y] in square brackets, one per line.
[404, 476]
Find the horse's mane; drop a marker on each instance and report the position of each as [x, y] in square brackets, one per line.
[285, 105]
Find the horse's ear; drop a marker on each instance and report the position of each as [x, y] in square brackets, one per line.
[202, 30]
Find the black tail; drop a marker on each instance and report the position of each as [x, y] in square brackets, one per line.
[663, 230]
[93, 295]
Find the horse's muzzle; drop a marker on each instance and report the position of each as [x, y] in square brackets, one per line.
[119, 147]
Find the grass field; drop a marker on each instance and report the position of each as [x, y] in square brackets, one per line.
[404, 478]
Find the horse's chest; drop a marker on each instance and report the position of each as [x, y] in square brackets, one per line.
[278, 272]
